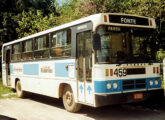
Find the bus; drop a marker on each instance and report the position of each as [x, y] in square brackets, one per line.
[99, 60]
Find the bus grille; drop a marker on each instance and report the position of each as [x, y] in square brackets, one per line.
[134, 84]
[133, 71]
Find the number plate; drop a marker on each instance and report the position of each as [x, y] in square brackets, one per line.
[120, 72]
[138, 96]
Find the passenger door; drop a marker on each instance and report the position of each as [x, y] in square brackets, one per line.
[84, 67]
[7, 66]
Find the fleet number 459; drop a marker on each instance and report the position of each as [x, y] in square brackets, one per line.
[120, 72]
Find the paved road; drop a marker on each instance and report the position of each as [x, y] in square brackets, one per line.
[44, 108]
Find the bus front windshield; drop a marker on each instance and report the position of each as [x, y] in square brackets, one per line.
[124, 45]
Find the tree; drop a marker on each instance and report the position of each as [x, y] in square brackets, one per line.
[11, 15]
[68, 11]
[34, 21]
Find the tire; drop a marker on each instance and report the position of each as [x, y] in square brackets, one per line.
[19, 91]
[68, 100]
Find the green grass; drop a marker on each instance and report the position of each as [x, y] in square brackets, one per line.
[6, 92]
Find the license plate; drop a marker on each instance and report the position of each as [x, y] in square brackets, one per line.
[138, 96]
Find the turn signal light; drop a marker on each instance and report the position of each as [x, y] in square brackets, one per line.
[111, 72]
[106, 72]
[154, 70]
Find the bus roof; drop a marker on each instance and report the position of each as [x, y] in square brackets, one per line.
[96, 19]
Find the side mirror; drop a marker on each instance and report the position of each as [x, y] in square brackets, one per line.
[96, 42]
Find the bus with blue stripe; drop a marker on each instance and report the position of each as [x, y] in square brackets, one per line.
[98, 60]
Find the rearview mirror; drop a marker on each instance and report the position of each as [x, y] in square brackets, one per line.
[96, 41]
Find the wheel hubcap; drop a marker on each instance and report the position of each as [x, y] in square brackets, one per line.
[69, 98]
[19, 87]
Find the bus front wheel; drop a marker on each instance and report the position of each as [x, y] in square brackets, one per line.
[68, 100]
[19, 91]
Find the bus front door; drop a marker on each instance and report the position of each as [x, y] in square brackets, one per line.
[8, 81]
[84, 67]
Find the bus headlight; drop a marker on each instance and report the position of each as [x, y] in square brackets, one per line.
[115, 85]
[156, 82]
[108, 86]
[151, 82]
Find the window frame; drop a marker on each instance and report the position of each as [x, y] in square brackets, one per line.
[27, 52]
[13, 54]
[43, 50]
[68, 44]
[36, 39]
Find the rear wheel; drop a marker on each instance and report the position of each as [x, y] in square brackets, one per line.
[20, 92]
[68, 100]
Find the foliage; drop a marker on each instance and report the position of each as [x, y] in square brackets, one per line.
[7, 31]
[34, 21]
[30, 22]
[6, 92]
[160, 54]
[13, 11]
[68, 11]
[89, 7]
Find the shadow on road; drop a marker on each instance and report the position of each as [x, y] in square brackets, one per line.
[124, 112]
[46, 100]
[2, 117]
[114, 112]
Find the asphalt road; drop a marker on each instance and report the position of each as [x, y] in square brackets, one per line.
[45, 108]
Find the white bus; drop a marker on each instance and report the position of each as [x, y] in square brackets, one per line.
[98, 60]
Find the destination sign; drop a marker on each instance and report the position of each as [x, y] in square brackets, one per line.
[132, 20]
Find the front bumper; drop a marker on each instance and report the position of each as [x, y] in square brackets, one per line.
[102, 100]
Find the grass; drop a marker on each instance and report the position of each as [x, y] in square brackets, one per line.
[6, 92]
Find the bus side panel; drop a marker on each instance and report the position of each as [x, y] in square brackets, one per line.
[45, 77]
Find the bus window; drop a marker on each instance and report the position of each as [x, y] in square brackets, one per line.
[41, 47]
[88, 57]
[61, 43]
[84, 50]
[16, 52]
[124, 45]
[27, 49]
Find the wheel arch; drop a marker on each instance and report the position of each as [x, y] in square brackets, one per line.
[61, 87]
[16, 80]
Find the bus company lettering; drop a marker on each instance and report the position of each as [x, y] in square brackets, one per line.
[18, 69]
[128, 21]
[46, 69]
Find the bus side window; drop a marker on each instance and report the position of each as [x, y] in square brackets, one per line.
[61, 43]
[41, 47]
[27, 49]
[16, 52]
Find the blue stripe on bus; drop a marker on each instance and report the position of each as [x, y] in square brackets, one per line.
[31, 69]
[153, 86]
[11, 69]
[101, 86]
[61, 70]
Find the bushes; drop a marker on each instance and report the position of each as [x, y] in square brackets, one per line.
[6, 92]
